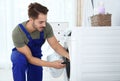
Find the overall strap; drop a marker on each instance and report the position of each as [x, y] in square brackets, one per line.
[42, 35]
[26, 32]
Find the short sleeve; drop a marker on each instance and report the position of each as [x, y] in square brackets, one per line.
[17, 37]
[49, 31]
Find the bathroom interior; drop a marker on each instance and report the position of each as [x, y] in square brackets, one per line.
[94, 48]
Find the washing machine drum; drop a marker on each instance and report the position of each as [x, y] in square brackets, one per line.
[53, 71]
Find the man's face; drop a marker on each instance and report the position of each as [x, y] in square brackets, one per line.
[40, 23]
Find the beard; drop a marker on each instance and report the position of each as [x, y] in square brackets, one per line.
[34, 26]
[37, 28]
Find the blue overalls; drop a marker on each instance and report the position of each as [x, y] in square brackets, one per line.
[20, 63]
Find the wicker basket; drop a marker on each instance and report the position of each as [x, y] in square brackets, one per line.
[101, 20]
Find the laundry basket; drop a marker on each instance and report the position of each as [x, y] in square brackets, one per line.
[101, 20]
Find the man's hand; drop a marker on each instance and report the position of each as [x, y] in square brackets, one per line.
[58, 64]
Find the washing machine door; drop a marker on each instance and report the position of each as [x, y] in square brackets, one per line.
[67, 62]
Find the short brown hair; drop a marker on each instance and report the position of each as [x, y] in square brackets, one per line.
[35, 8]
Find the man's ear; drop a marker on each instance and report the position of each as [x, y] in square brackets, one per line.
[30, 19]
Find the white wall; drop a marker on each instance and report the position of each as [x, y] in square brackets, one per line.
[111, 6]
[5, 32]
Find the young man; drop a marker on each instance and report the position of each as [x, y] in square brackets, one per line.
[28, 37]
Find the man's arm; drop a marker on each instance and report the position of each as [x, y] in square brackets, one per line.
[57, 47]
[36, 61]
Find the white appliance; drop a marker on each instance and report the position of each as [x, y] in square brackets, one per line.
[95, 54]
[59, 29]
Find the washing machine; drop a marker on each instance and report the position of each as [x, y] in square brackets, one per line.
[62, 34]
